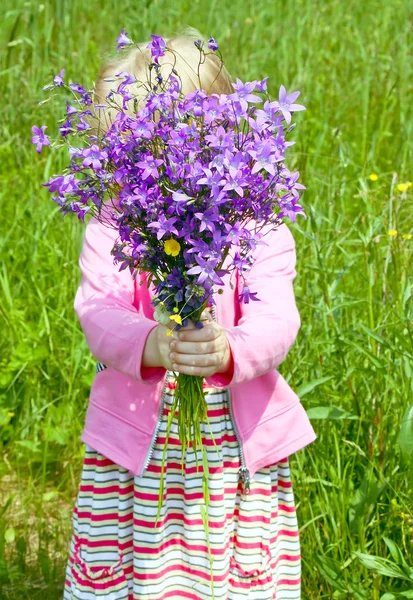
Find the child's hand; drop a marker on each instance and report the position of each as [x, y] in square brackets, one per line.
[202, 352]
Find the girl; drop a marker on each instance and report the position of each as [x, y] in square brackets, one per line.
[257, 421]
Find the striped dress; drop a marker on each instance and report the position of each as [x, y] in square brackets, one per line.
[117, 552]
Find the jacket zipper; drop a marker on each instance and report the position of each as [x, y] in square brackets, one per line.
[243, 471]
[158, 425]
[99, 367]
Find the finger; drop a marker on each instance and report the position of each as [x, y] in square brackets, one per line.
[194, 347]
[195, 360]
[208, 333]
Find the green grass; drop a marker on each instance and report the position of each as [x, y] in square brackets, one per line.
[352, 62]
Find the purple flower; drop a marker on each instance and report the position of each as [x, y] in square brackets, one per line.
[40, 138]
[206, 271]
[243, 93]
[150, 166]
[285, 103]
[246, 295]
[212, 44]
[235, 233]
[76, 87]
[58, 79]
[235, 180]
[212, 180]
[63, 184]
[81, 211]
[70, 110]
[94, 157]
[264, 159]
[164, 225]
[66, 128]
[290, 182]
[198, 44]
[261, 86]
[290, 208]
[142, 128]
[123, 40]
[208, 219]
[157, 47]
[221, 139]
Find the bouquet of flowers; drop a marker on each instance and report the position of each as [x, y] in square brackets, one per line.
[191, 180]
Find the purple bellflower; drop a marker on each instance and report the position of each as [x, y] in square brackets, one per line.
[40, 138]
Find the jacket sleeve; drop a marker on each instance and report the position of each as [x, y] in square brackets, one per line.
[266, 329]
[115, 332]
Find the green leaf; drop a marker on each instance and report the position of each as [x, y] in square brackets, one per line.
[306, 388]
[9, 535]
[397, 555]
[364, 500]
[329, 412]
[405, 439]
[373, 359]
[382, 566]
[47, 496]
[5, 417]
[332, 571]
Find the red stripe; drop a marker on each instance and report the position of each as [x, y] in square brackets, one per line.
[211, 412]
[90, 516]
[180, 517]
[247, 585]
[110, 489]
[291, 557]
[179, 569]
[99, 462]
[184, 544]
[181, 491]
[95, 584]
[152, 468]
[284, 532]
[206, 442]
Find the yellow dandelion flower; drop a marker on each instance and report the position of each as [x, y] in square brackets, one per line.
[409, 184]
[172, 247]
[402, 187]
[392, 232]
[176, 318]
[407, 236]
[373, 177]
[169, 332]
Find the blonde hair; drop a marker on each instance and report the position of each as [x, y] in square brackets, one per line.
[211, 75]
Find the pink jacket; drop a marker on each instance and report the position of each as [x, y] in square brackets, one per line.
[116, 316]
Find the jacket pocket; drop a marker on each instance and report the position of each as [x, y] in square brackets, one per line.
[102, 580]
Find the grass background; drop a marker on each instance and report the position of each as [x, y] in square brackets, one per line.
[352, 364]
